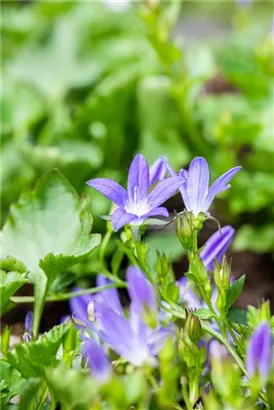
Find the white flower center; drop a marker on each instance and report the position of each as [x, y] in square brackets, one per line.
[136, 206]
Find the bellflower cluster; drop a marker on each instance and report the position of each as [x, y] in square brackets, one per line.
[195, 190]
[137, 204]
[132, 338]
[259, 354]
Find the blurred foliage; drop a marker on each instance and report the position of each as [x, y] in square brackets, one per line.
[87, 85]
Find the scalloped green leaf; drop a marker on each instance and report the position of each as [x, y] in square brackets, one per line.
[31, 359]
[10, 282]
[49, 231]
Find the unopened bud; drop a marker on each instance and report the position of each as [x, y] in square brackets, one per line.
[185, 229]
[222, 275]
[193, 327]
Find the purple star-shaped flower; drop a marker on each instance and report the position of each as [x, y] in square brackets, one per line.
[137, 204]
[195, 190]
[259, 352]
[131, 337]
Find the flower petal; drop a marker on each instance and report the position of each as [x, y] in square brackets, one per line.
[109, 297]
[216, 246]
[157, 171]
[169, 168]
[97, 360]
[159, 211]
[111, 189]
[140, 290]
[79, 305]
[197, 184]
[138, 176]
[28, 322]
[187, 295]
[120, 218]
[220, 185]
[163, 191]
[259, 352]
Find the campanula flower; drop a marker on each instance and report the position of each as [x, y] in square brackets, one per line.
[97, 360]
[195, 190]
[131, 338]
[136, 204]
[259, 352]
[27, 336]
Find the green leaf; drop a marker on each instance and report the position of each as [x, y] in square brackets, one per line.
[49, 228]
[30, 359]
[28, 394]
[11, 381]
[9, 283]
[9, 264]
[234, 291]
[204, 314]
[237, 316]
[5, 339]
[73, 388]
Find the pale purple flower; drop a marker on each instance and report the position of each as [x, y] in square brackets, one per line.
[131, 337]
[195, 190]
[137, 204]
[79, 306]
[97, 360]
[259, 352]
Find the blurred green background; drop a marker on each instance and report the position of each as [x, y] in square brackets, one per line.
[86, 85]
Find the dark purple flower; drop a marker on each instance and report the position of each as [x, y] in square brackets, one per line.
[131, 338]
[259, 352]
[28, 322]
[195, 190]
[216, 246]
[97, 360]
[137, 204]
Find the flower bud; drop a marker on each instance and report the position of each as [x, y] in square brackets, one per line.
[185, 229]
[193, 327]
[222, 275]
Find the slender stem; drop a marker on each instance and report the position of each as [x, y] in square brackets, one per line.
[189, 406]
[66, 296]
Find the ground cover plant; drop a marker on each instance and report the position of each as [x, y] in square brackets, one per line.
[175, 344]
[124, 139]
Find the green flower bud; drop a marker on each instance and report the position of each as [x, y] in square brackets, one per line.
[222, 275]
[193, 327]
[185, 229]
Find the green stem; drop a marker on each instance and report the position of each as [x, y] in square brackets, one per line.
[66, 296]
[186, 398]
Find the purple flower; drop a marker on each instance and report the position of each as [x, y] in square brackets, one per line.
[195, 190]
[216, 246]
[259, 352]
[137, 204]
[131, 338]
[97, 361]
[27, 336]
